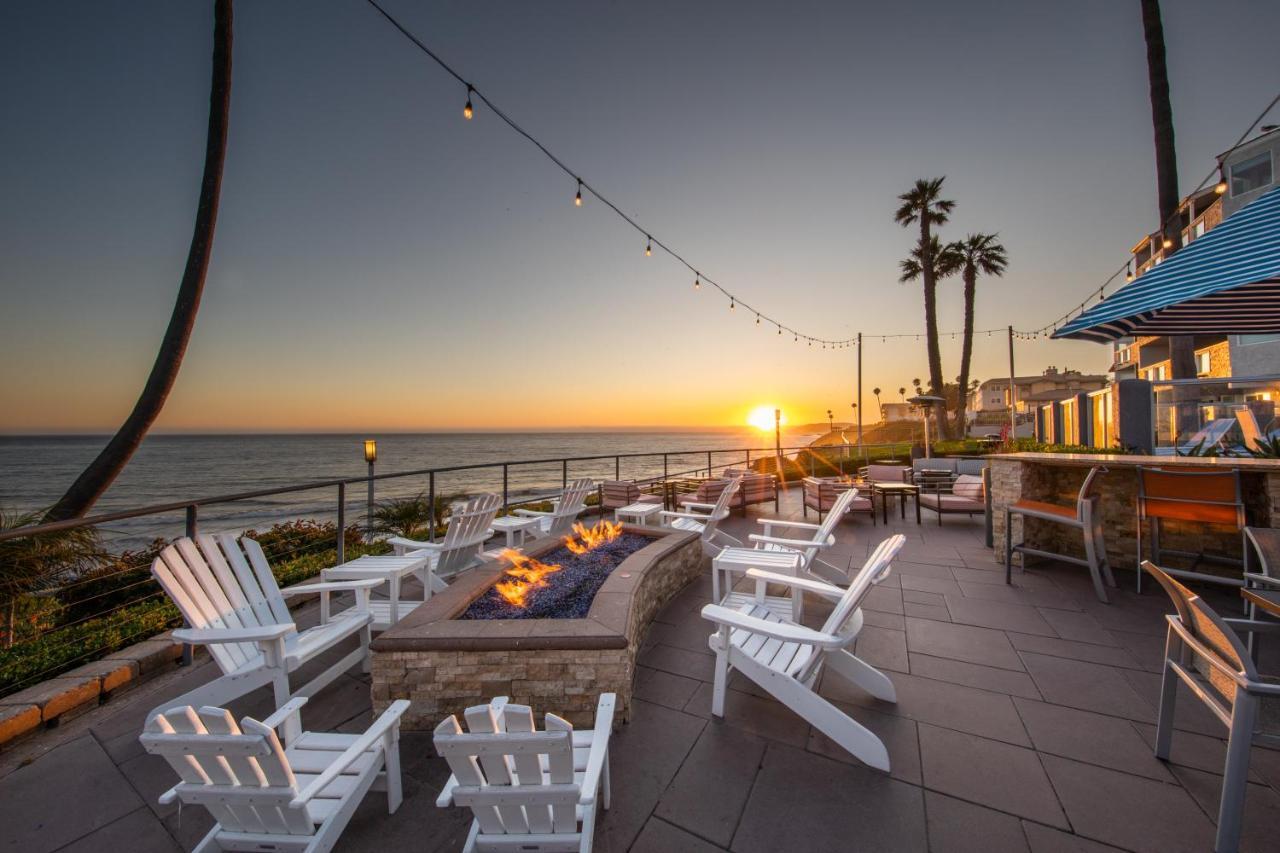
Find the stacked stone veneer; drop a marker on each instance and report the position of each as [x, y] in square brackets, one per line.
[443, 665]
[1059, 481]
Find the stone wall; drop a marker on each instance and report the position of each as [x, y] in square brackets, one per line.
[1012, 479]
[444, 665]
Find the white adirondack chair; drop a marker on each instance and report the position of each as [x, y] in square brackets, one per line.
[786, 659]
[529, 790]
[267, 797]
[820, 537]
[461, 546]
[704, 519]
[565, 510]
[233, 605]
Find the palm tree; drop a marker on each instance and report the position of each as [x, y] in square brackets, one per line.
[924, 206]
[1182, 352]
[977, 253]
[902, 392]
[31, 563]
[103, 470]
[876, 391]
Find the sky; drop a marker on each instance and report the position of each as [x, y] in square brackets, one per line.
[380, 263]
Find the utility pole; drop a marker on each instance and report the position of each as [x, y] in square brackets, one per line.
[1013, 390]
[857, 406]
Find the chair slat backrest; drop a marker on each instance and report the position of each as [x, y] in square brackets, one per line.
[515, 779]
[1208, 628]
[468, 529]
[572, 501]
[721, 509]
[874, 570]
[619, 493]
[241, 775]
[1191, 494]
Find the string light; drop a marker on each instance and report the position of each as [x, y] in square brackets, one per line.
[757, 319]
[697, 281]
[732, 304]
[1128, 271]
[468, 112]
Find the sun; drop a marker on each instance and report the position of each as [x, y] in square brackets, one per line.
[761, 418]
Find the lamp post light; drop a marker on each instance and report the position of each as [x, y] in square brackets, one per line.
[777, 438]
[370, 456]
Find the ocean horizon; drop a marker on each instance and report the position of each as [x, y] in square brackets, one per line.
[174, 466]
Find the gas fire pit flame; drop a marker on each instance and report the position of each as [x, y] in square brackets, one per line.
[525, 575]
[584, 539]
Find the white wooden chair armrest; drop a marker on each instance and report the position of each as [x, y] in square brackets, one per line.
[696, 516]
[599, 753]
[389, 719]
[282, 715]
[795, 544]
[414, 544]
[531, 513]
[782, 522]
[215, 636]
[332, 586]
[785, 631]
[697, 505]
[826, 590]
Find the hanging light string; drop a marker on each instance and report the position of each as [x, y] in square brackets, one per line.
[700, 278]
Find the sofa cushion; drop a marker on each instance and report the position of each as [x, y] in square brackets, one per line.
[968, 486]
[971, 466]
[886, 473]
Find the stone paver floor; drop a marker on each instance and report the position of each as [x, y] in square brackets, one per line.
[1024, 722]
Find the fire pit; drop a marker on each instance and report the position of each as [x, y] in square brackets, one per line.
[563, 585]
[552, 627]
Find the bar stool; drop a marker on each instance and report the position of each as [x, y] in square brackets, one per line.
[1084, 516]
[1204, 495]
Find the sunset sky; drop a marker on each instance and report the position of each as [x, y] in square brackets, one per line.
[380, 263]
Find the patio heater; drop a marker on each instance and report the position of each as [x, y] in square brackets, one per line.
[926, 403]
[370, 456]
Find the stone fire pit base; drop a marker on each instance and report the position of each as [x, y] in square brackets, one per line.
[443, 664]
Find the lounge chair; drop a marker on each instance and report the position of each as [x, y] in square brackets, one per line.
[231, 600]
[785, 658]
[704, 519]
[461, 546]
[565, 511]
[964, 495]
[821, 493]
[615, 494]
[529, 790]
[264, 796]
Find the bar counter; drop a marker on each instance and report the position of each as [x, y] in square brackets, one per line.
[1057, 477]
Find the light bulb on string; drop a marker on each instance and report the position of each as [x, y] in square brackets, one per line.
[779, 330]
[757, 319]
[697, 281]
[467, 111]
[732, 304]
[1128, 271]
[577, 199]
[648, 247]
[1221, 187]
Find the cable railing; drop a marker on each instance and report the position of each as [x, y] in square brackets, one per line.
[58, 612]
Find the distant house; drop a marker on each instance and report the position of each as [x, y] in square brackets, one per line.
[992, 396]
[891, 412]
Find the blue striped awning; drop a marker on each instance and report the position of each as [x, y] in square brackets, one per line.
[1225, 282]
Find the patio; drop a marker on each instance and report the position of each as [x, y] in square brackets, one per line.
[1025, 721]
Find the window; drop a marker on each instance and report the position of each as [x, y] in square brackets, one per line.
[1202, 364]
[1251, 174]
[1157, 373]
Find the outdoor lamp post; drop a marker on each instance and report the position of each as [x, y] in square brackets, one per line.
[777, 438]
[370, 456]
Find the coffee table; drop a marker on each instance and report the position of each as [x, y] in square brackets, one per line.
[637, 513]
[901, 491]
[514, 527]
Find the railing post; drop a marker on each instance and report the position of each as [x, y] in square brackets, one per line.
[664, 467]
[431, 505]
[617, 467]
[342, 523]
[192, 527]
[505, 476]
[708, 464]
[747, 462]
[564, 474]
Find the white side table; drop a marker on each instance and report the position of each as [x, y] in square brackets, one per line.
[514, 527]
[637, 513]
[393, 570]
[731, 562]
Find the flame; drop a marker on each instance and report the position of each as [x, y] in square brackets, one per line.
[525, 575]
[603, 533]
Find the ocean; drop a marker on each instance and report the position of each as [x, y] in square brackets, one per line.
[34, 470]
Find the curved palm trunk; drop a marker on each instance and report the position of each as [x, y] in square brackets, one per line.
[966, 351]
[96, 478]
[929, 276]
[1182, 356]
